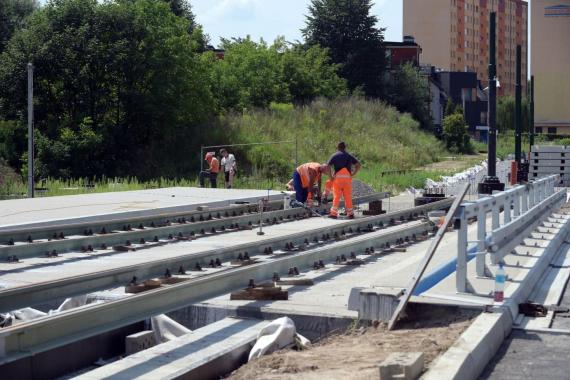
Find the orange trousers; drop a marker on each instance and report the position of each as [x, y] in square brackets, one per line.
[342, 187]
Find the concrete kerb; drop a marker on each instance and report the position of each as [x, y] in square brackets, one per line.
[471, 353]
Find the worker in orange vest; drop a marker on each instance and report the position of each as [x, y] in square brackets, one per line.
[212, 171]
[305, 178]
[344, 166]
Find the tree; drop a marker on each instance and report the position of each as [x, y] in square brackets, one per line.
[455, 134]
[409, 92]
[309, 74]
[253, 74]
[450, 108]
[248, 76]
[120, 88]
[506, 113]
[12, 17]
[349, 31]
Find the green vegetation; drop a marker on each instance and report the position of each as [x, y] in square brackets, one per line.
[129, 89]
[348, 30]
[381, 137]
[455, 134]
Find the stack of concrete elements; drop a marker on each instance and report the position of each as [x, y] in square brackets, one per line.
[546, 160]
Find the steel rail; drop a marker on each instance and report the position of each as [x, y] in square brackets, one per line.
[24, 296]
[163, 225]
[54, 331]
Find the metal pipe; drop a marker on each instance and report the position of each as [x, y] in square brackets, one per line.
[531, 112]
[492, 105]
[518, 109]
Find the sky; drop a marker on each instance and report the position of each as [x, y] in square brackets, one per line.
[269, 19]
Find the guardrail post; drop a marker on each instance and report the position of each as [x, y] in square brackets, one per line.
[531, 199]
[507, 211]
[517, 205]
[481, 236]
[461, 277]
[525, 197]
[495, 214]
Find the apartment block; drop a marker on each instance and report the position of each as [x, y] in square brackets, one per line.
[454, 36]
[550, 56]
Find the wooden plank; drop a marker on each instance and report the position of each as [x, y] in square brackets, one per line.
[427, 258]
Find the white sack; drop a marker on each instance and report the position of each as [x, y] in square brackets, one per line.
[279, 334]
[166, 329]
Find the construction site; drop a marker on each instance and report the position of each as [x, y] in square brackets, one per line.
[183, 282]
[390, 275]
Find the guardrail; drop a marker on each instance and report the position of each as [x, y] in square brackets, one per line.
[522, 208]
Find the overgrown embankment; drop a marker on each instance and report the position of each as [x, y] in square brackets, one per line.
[381, 137]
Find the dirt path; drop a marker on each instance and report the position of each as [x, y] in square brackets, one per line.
[357, 353]
[459, 164]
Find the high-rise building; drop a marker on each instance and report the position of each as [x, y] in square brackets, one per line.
[550, 57]
[454, 36]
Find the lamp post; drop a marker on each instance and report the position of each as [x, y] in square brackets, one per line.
[531, 113]
[491, 181]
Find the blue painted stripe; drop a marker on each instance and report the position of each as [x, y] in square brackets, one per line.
[441, 272]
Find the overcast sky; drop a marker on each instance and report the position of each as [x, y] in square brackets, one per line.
[268, 19]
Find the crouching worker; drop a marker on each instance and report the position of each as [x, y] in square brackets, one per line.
[307, 181]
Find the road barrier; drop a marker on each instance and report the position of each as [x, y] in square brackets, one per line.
[523, 208]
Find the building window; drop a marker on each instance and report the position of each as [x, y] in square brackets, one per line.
[538, 130]
[551, 130]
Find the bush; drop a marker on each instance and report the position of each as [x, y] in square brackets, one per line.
[455, 134]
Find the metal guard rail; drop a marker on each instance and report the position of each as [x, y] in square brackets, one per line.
[523, 208]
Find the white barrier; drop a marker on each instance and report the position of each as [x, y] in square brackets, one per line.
[523, 208]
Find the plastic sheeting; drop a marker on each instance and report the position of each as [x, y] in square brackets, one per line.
[279, 334]
[166, 329]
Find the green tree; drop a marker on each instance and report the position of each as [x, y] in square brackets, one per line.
[409, 92]
[120, 88]
[253, 74]
[248, 76]
[450, 108]
[12, 16]
[506, 113]
[309, 74]
[349, 31]
[455, 134]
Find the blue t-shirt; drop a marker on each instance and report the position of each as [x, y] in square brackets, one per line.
[341, 160]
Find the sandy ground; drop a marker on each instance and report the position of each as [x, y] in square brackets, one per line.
[356, 353]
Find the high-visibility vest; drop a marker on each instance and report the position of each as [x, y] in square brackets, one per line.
[303, 171]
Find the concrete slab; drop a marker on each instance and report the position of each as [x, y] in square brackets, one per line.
[209, 352]
[40, 269]
[88, 207]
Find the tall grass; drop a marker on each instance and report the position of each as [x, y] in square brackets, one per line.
[377, 134]
[381, 137]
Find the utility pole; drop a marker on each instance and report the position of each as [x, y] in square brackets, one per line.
[30, 130]
[518, 109]
[491, 182]
[531, 113]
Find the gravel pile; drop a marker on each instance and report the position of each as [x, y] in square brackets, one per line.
[360, 189]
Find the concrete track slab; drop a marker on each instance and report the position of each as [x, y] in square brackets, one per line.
[37, 270]
[101, 206]
[332, 285]
[530, 355]
[199, 354]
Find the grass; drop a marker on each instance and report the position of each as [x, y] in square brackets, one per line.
[381, 137]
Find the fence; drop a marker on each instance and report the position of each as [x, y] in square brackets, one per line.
[249, 177]
[523, 208]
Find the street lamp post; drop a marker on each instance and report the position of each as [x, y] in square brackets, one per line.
[491, 181]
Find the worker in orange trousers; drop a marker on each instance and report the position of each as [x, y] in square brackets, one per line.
[344, 166]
